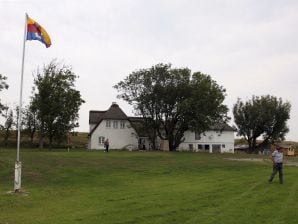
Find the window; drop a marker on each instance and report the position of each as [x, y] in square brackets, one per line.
[101, 140]
[197, 136]
[190, 146]
[122, 124]
[115, 124]
[223, 146]
[207, 147]
[108, 123]
[200, 147]
[215, 148]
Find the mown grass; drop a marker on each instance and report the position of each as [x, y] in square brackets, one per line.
[144, 187]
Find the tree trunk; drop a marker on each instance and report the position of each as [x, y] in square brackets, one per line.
[249, 140]
[171, 145]
[50, 141]
[41, 141]
[254, 143]
[32, 137]
[6, 135]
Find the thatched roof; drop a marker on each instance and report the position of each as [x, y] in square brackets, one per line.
[114, 112]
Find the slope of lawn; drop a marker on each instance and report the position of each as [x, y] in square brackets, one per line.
[145, 187]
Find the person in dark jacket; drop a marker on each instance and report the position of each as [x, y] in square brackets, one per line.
[106, 145]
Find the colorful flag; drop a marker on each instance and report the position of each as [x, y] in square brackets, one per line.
[37, 32]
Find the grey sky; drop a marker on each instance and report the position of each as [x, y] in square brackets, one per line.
[250, 47]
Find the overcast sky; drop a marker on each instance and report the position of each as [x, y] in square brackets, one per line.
[248, 46]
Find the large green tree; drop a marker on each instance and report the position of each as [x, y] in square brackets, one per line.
[262, 116]
[55, 101]
[172, 100]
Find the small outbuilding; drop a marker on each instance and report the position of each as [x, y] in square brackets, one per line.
[288, 150]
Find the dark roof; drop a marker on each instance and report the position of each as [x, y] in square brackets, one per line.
[285, 146]
[114, 112]
[95, 116]
[138, 124]
[221, 127]
[136, 119]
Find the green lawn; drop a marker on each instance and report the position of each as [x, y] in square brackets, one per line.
[144, 187]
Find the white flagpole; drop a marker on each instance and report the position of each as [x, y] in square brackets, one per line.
[18, 164]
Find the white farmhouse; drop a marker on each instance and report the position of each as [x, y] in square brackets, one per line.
[126, 132]
[220, 138]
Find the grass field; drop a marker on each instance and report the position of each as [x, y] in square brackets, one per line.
[144, 187]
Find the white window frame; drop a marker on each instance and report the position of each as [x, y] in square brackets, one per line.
[197, 136]
[122, 124]
[108, 123]
[115, 124]
[101, 140]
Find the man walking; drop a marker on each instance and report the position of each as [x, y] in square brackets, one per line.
[277, 160]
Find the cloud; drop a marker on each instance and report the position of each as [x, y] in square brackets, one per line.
[247, 46]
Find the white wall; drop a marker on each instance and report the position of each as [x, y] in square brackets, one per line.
[118, 137]
[225, 139]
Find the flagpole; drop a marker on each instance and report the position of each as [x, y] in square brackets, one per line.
[18, 164]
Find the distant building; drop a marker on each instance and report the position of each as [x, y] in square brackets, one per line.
[126, 132]
[287, 149]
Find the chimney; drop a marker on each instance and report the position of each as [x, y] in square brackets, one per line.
[114, 104]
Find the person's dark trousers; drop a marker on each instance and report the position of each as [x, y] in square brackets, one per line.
[277, 167]
[107, 148]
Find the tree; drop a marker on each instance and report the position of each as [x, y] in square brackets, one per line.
[172, 101]
[8, 124]
[56, 102]
[3, 85]
[264, 116]
[30, 121]
[16, 118]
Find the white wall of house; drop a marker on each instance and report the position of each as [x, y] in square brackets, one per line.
[119, 137]
[212, 141]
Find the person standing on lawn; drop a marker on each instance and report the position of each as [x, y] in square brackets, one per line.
[106, 145]
[277, 160]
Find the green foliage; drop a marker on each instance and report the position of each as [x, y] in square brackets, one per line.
[3, 85]
[240, 141]
[77, 140]
[56, 101]
[264, 116]
[8, 124]
[16, 117]
[31, 122]
[171, 101]
[138, 187]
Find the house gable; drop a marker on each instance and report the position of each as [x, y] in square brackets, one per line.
[113, 113]
[121, 134]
